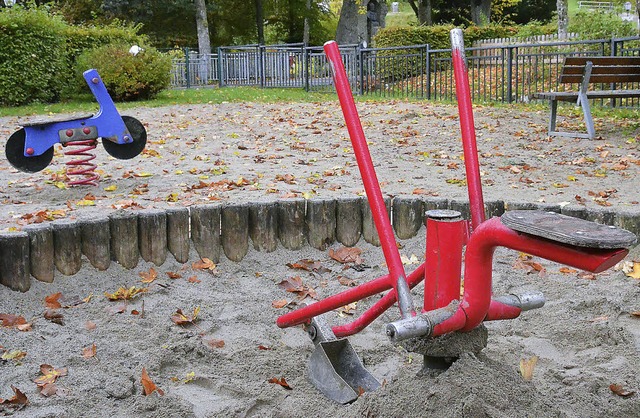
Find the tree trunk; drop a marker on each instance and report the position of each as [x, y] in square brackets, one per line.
[347, 31]
[563, 18]
[481, 12]
[204, 43]
[638, 15]
[260, 21]
[422, 11]
[305, 34]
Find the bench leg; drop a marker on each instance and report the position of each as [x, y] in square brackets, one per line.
[588, 119]
[552, 117]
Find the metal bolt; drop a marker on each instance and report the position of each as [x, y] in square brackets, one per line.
[69, 133]
[30, 151]
[127, 138]
[95, 80]
[86, 131]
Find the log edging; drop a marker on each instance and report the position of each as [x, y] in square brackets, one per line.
[230, 229]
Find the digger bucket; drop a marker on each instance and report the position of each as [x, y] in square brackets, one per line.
[337, 372]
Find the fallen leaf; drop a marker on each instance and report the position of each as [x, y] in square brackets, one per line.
[90, 351]
[263, 347]
[282, 382]
[213, 342]
[49, 375]
[90, 326]
[194, 279]
[203, 264]
[635, 314]
[308, 265]
[567, 270]
[527, 366]
[345, 281]
[621, 391]
[295, 285]
[54, 316]
[635, 273]
[173, 275]
[279, 303]
[346, 255]
[17, 401]
[15, 321]
[147, 384]
[15, 355]
[148, 276]
[586, 275]
[179, 318]
[52, 301]
[125, 294]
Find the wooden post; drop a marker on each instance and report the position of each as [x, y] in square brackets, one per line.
[433, 203]
[493, 208]
[96, 241]
[321, 223]
[123, 226]
[408, 216]
[235, 231]
[602, 216]
[14, 260]
[67, 246]
[461, 206]
[291, 223]
[263, 226]
[178, 233]
[369, 232]
[349, 220]
[205, 231]
[629, 220]
[152, 235]
[41, 264]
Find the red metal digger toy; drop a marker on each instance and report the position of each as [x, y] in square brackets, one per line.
[448, 324]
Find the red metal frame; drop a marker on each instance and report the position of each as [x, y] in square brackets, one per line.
[445, 238]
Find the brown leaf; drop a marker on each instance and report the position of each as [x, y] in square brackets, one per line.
[17, 401]
[125, 294]
[203, 264]
[621, 391]
[15, 321]
[346, 255]
[148, 276]
[90, 326]
[308, 265]
[90, 351]
[213, 342]
[179, 318]
[345, 281]
[194, 279]
[586, 275]
[635, 314]
[147, 384]
[263, 347]
[567, 270]
[295, 285]
[173, 275]
[282, 382]
[49, 374]
[279, 303]
[52, 302]
[527, 366]
[635, 273]
[54, 316]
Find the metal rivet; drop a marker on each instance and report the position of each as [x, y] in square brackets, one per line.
[86, 131]
[30, 151]
[95, 80]
[69, 133]
[127, 138]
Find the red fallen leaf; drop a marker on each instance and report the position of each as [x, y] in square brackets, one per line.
[263, 347]
[567, 270]
[180, 318]
[15, 321]
[345, 281]
[148, 276]
[586, 275]
[203, 264]
[193, 279]
[52, 302]
[635, 314]
[135, 312]
[17, 401]
[346, 255]
[292, 284]
[213, 342]
[90, 351]
[173, 275]
[54, 316]
[282, 382]
[308, 265]
[279, 303]
[621, 391]
[147, 384]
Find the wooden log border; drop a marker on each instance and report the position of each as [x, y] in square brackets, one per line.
[233, 230]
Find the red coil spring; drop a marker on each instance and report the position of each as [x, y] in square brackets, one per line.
[83, 167]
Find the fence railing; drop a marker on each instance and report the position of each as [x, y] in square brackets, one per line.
[498, 73]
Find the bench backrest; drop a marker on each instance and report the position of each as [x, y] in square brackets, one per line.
[604, 70]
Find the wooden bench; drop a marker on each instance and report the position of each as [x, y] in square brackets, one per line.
[587, 71]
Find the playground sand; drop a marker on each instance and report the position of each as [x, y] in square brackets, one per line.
[585, 338]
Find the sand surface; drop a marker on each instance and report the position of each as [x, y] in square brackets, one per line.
[585, 337]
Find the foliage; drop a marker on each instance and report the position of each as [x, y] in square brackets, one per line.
[527, 11]
[600, 25]
[128, 77]
[437, 36]
[32, 56]
[534, 28]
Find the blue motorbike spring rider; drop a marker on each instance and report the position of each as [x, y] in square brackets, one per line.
[30, 149]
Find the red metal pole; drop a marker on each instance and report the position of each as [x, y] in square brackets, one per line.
[463, 94]
[367, 172]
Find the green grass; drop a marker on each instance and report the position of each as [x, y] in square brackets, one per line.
[404, 17]
[86, 102]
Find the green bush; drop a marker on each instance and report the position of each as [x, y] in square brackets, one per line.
[33, 57]
[437, 36]
[128, 77]
[600, 25]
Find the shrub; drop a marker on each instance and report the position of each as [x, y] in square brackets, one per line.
[437, 36]
[33, 58]
[600, 25]
[128, 77]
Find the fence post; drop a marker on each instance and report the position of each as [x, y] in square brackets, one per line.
[187, 64]
[220, 72]
[428, 66]
[261, 65]
[509, 73]
[360, 64]
[307, 72]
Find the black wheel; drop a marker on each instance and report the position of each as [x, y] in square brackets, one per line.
[14, 150]
[132, 149]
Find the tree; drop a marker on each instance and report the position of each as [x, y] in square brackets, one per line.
[204, 42]
[422, 11]
[481, 12]
[260, 21]
[563, 18]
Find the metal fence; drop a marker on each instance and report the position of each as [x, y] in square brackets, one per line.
[498, 73]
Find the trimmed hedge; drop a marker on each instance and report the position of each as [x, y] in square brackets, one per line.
[437, 36]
